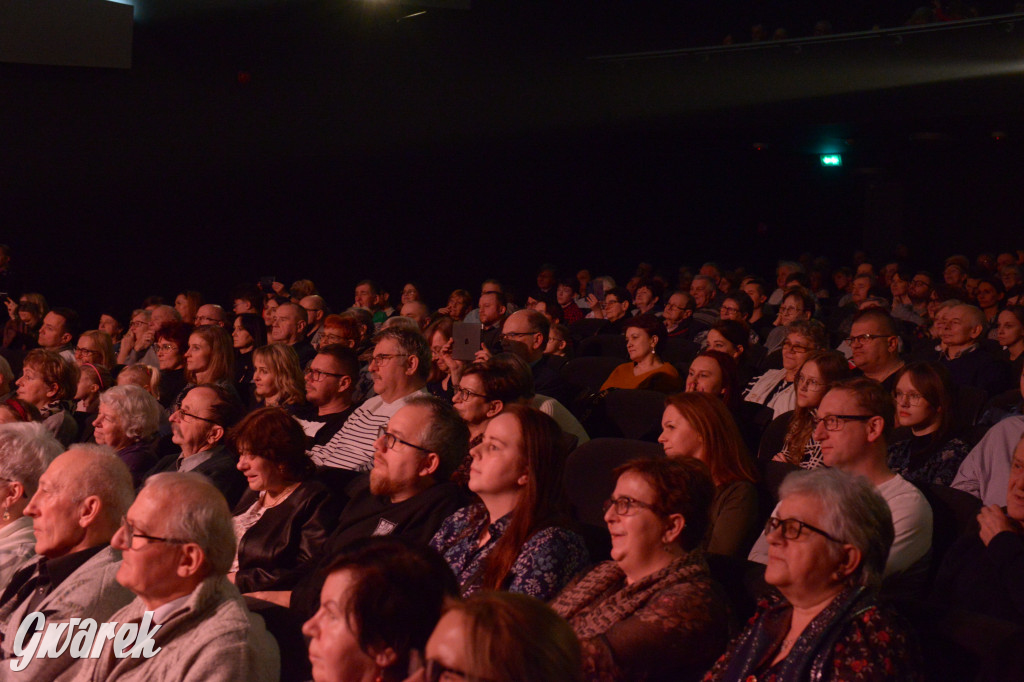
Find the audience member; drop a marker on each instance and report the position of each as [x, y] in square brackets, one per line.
[645, 369]
[48, 382]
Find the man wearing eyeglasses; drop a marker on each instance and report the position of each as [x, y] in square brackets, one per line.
[199, 427]
[331, 379]
[75, 512]
[854, 424]
[875, 344]
[211, 313]
[407, 493]
[176, 564]
[526, 334]
[400, 366]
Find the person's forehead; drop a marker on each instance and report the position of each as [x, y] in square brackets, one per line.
[838, 401]
[325, 362]
[408, 420]
[387, 346]
[872, 327]
[199, 398]
[702, 363]
[517, 322]
[797, 337]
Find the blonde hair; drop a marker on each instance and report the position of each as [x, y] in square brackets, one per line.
[283, 363]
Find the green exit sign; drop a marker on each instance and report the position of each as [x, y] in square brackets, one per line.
[834, 160]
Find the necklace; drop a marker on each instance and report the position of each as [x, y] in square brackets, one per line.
[269, 503]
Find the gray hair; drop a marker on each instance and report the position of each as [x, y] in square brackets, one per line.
[26, 449]
[108, 478]
[974, 316]
[200, 515]
[445, 434]
[854, 512]
[401, 322]
[137, 410]
[411, 341]
[813, 330]
[791, 265]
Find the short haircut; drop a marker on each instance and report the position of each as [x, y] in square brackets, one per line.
[743, 302]
[26, 449]
[620, 293]
[108, 478]
[226, 409]
[688, 303]
[374, 287]
[520, 385]
[501, 380]
[72, 323]
[198, 513]
[498, 296]
[53, 369]
[538, 323]
[301, 288]
[791, 265]
[649, 323]
[138, 412]
[411, 342]
[397, 591]
[879, 317]
[347, 326]
[346, 359]
[250, 293]
[176, 332]
[399, 321]
[872, 398]
[761, 285]
[812, 330]
[800, 294]
[681, 486]
[972, 315]
[445, 434]
[652, 285]
[272, 434]
[854, 512]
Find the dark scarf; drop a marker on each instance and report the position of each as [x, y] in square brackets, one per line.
[758, 644]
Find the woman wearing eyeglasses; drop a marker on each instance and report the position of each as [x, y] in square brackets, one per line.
[171, 344]
[924, 404]
[379, 604]
[775, 388]
[283, 519]
[277, 378]
[790, 437]
[828, 543]
[651, 612]
[514, 538]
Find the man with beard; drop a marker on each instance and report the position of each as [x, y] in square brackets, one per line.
[407, 493]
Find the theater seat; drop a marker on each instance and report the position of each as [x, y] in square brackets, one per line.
[585, 375]
[605, 345]
[635, 413]
[585, 328]
[589, 481]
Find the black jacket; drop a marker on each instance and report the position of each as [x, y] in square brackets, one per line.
[287, 540]
[220, 468]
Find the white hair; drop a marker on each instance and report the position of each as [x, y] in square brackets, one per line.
[137, 410]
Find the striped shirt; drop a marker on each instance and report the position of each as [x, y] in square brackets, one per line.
[352, 446]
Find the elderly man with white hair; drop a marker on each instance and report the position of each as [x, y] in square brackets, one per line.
[178, 543]
[75, 511]
[26, 449]
[128, 419]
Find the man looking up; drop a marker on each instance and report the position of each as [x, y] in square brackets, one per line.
[399, 366]
[290, 329]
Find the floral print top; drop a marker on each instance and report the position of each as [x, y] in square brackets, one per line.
[546, 563]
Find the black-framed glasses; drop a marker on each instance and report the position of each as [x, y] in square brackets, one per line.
[465, 394]
[912, 399]
[792, 529]
[381, 358]
[514, 335]
[189, 415]
[835, 422]
[390, 439]
[83, 351]
[796, 347]
[437, 671]
[130, 534]
[625, 506]
[165, 347]
[206, 319]
[318, 374]
[864, 338]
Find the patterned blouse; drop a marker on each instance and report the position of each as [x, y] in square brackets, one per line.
[812, 454]
[670, 625]
[852, 639]
[917, 461]
[546, 562]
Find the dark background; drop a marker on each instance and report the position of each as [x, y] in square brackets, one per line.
[343, 140]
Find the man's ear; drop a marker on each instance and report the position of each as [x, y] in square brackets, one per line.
[215, 434]
[192, 561]
[414, 365]
[66, 338]
[300, 324]
[344, 384]
[431, 462]
[876, 426]
[89, 510]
